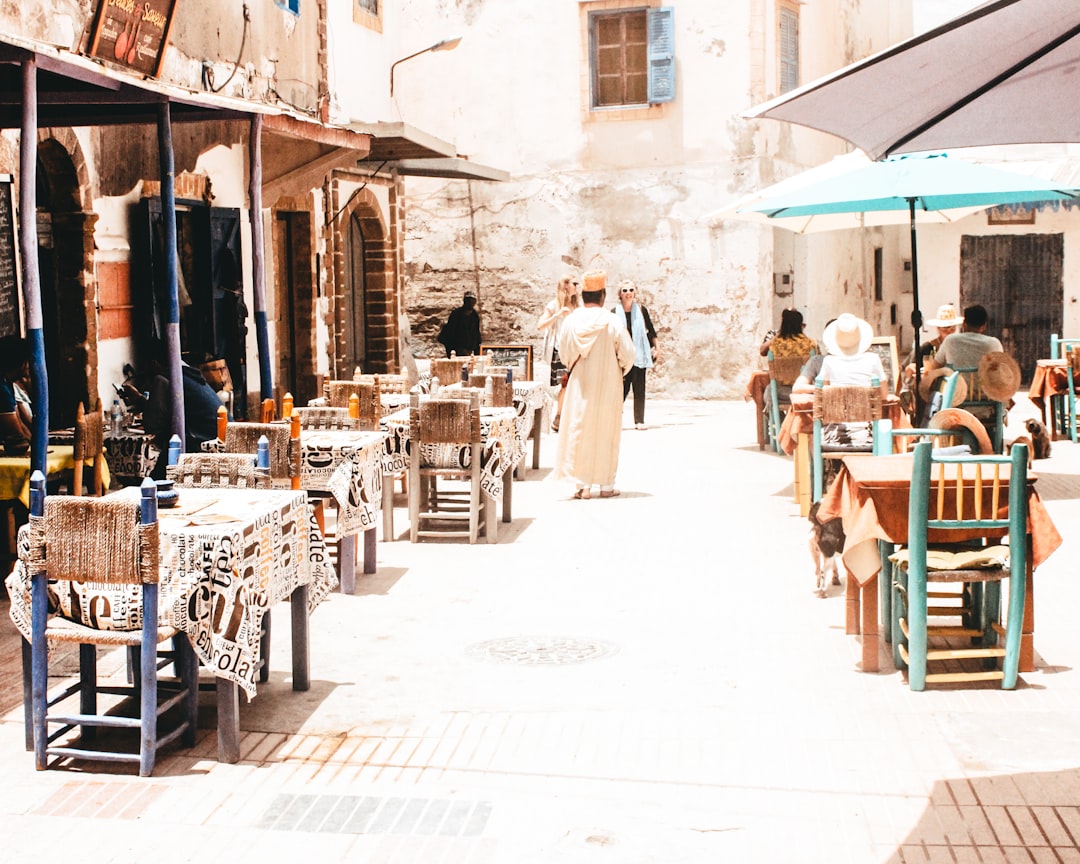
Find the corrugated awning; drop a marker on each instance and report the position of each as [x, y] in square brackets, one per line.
[413, 152]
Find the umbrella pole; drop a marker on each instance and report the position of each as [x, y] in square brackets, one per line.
[916, 313]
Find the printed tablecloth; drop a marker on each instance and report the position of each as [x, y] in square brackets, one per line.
[349, 465]
[131, 455]
[498, 452]
[227, 556]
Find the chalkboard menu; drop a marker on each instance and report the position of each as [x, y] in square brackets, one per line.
[9, 281]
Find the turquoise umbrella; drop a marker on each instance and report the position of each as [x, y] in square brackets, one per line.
[916, 182]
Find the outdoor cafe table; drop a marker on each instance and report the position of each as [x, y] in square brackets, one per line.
[871, 494]
[497, 454]
[1048, 392]
[227, 556]
[348, 464]
[15, 471]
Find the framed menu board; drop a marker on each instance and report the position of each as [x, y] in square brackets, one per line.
[517, 356]
[10, 319]
[132, 33]
[885, 348]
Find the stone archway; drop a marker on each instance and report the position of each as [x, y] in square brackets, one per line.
[66, 265]
[365, 309]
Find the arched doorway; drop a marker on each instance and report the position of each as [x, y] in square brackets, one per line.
[366, 317]
[65, 244]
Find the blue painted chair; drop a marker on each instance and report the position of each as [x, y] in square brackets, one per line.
[782, 374]
[111, 540]
[1064, 415]
[841, 404]
[963, 496]
[990, 411]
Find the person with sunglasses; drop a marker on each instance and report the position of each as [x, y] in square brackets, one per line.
[640, 327]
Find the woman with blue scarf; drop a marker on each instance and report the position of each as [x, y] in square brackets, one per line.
[641, 329]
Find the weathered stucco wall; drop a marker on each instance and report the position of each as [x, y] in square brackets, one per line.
[628, 191]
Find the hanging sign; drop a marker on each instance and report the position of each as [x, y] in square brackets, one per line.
[132, 33]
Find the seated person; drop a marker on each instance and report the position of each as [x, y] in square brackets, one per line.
[849, 362]
[201, 405]
[791, 341]
[16, 414]
[965, 349]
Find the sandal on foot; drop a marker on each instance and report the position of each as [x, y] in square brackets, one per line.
[583, 494]
[610, 493]
[555, 423]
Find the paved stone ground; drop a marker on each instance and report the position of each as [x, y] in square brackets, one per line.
[643, 679]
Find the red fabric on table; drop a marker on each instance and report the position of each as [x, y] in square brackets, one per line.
[1051, 378]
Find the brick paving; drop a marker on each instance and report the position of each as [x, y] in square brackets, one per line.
[644, 679]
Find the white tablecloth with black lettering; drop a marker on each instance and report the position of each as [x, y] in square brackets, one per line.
[498, 454]
[227, 556]
[349, 465]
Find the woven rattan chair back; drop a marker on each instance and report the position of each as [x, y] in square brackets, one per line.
[784, 370]
[502, 391]
[326, 418]
[445, 421]
[847, 404]
[447, 370]
[218, 470]
[284, 450]
[94, 540]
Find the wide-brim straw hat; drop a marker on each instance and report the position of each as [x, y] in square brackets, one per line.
[847, 335]
[928, 382]
[999, 375]
[947, 316]
[958, 418]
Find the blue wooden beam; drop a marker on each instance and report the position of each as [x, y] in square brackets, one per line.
[167, 170]
[262, 335]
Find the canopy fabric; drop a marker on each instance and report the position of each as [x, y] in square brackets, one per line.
[933, 182]
[1003, 73]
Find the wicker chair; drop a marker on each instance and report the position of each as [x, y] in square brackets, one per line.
[842, 404]
[448, 370]
[369, 409]
[208, 470]
[502, 391]
[326, 418]
[453, 425]
[284, 440]
[89, 446]
[782, 374]
[111, 540]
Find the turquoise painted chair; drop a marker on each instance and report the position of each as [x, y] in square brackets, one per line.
[985, 510]
[989, 410]
[841, 404]
[888, 441]
[1063, 411]
[782, 374]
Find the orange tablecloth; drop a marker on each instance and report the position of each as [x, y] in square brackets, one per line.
[1051, 379]
[756, 388]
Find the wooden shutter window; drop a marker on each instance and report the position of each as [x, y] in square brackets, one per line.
[789, 48]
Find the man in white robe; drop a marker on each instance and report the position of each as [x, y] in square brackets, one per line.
[598, 351]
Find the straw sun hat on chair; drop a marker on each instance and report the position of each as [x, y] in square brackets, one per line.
[999, 375]
[847, 336]
[928, 382]
[958, 418]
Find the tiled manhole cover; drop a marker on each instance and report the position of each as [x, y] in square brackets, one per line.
[541, 650]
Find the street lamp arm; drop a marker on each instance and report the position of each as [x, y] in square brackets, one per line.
[443, 45]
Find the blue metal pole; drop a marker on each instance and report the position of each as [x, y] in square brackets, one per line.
[31, 278]
[168, 222]
[258, 284]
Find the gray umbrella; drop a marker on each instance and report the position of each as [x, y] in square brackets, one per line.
[1006, 72]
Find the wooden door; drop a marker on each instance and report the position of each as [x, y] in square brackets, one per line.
[1018, 278]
